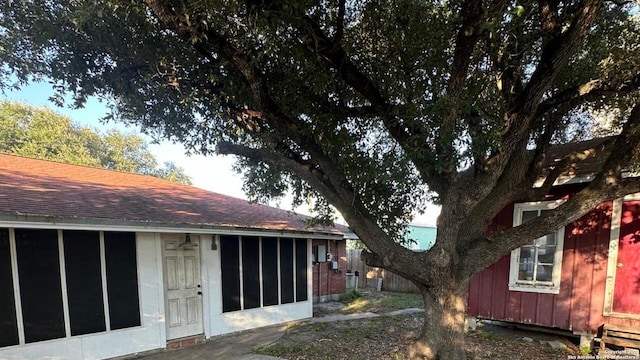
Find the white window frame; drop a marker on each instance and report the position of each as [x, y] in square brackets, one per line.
[536, 286]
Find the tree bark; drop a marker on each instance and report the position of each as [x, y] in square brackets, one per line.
[442, 335]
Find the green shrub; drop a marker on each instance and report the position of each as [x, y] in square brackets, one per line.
[351, 295]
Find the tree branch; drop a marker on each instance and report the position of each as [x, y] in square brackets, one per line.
[607, 185]
[591, 89]
[321, 172]
[555, 54]
[473, 18]
[390, 255]
[337, 39]
[333, 55]
[508, 162]
[549, 18]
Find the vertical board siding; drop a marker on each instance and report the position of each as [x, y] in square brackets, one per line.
[580, 303]
[500, 292]
[486, 282]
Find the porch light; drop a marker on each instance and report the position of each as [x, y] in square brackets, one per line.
[187, 244]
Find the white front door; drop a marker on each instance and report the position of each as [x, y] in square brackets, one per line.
[183, 293]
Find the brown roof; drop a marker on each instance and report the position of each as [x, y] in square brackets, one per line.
[588, 166]
[61, 191]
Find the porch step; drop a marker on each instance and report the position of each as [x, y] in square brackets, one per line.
[623, 336]
[185, 342]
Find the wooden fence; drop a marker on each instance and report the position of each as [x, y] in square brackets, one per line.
[369, 277]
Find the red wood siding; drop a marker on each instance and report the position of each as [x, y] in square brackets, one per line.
[627, 285]
[579, 305]
[325, 280]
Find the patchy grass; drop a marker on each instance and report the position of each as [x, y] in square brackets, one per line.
[381, 302]
[373, 338]
[389, 337]
[488, 336]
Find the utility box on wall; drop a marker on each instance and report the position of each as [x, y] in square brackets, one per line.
[320, 253]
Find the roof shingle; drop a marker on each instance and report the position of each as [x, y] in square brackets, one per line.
[51, 189]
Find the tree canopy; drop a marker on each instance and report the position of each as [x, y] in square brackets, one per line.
[45, 134]
[373, 106]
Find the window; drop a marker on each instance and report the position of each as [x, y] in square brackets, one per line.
[8, 319]
[84, 281]
[53, 284]
[262, 271]
[40, 287]
[536, 267]
[230, 263]
[251, 271]
[122, 279]
[286, 271]
[301, 266]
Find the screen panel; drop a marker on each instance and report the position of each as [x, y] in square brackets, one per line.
[286, 270]
[40, 286]
[269, 271]
[84, 281]
[230, 263]
[251, 272]
[8, 320]
[122, 279]
[302, 257]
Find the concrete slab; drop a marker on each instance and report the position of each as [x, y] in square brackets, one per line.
[236, 346]
[332, 318]
[407, 311]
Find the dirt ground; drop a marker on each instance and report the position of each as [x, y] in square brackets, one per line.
[388, 337]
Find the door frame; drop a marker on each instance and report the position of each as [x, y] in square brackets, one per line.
[164, 237]
[612, 261]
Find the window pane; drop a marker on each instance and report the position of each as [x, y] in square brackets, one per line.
[269, 271]
[549, 239]
[8, 321]
[546, 255]
[301, 269]
[525, 271]
[122, 279]
[544, 273]
[40, 287]
[230, 262]
[526, 254]
[286, 270]
[250, 272]
[84, 281]
[529, 215]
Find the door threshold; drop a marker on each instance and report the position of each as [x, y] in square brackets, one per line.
[185, 342]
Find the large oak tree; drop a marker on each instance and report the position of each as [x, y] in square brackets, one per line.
[376, 106]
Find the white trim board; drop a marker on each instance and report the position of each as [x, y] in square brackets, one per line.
[155, 228]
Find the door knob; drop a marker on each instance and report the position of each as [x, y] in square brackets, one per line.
[199, 292]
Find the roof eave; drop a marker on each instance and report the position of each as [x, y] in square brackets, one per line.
[77, 223]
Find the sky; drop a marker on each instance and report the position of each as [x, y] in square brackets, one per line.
[213, 172]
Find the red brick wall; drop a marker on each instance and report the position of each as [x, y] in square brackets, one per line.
[325, 280]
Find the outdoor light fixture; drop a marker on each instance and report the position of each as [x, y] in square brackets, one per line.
[187, 244]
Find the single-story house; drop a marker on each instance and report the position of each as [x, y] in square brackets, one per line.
[97, 264]
[577, 278]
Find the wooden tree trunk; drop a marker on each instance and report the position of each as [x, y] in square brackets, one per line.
[442, 334]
